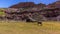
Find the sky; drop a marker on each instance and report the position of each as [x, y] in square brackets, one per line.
[8, 3]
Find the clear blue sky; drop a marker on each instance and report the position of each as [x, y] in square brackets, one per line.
[7, 3]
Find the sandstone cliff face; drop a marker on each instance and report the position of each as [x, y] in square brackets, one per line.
[23, 5]
[27, 4]
[55, 4]
[31, 4]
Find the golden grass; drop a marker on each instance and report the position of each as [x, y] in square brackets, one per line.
[29, 28]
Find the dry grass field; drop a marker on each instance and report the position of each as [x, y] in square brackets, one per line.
[10, 27]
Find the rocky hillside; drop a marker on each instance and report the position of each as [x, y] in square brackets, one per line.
[31, 4]
[55, 4]
[23, 5]
[27, 5]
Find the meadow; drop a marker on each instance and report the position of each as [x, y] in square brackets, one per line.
[19, 27]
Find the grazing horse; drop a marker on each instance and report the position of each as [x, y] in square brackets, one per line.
[30, 20]
[38, 22]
